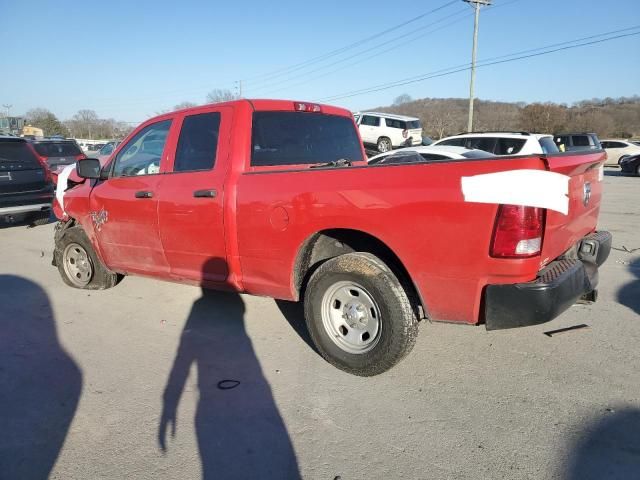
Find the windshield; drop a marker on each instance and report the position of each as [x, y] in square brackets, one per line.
[57, 149]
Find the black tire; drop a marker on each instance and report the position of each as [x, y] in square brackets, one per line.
[638, 170]
[384, 145]
[100, 278]
[398, 325]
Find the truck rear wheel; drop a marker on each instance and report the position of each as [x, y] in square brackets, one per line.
[358, 315]
[78, 264]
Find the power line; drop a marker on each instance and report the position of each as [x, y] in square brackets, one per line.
[357, 54]
[491, 8]
[466, 67]
[332, 53]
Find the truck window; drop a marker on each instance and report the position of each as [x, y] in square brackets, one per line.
[142, 154]
[198, 142]
[295, 138]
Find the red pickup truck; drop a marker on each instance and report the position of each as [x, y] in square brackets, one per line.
[276, 198]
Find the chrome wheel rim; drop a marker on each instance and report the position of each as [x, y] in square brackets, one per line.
[384, 146]
[351, 317]
[77, 264]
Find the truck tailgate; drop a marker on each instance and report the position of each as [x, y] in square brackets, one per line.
[585, 192]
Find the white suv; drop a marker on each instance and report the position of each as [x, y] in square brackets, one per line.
[387, 131]
[504, 143]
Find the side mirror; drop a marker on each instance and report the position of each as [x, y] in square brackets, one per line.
[88, 168]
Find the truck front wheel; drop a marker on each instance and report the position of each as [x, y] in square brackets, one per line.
[78, 264]
[358, 315]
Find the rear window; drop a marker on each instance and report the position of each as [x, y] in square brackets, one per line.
[548, 145]
[294, 138]
[16, 155]
[57, 149]
[414, 124]
[509, 146]
[481, 143]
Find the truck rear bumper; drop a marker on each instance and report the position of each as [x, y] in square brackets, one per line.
[556, 288]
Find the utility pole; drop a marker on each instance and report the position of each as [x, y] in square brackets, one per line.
[476, 5]
[8, 107]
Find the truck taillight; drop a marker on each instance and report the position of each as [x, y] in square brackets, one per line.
[82, 156]
[405, 133]
[43, 162]
[518, 232]
[307, 107]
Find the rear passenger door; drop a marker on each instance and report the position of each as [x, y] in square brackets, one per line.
[191, 200]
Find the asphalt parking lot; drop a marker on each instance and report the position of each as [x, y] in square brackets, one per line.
[141, 381]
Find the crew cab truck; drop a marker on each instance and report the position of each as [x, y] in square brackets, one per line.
[275, 198]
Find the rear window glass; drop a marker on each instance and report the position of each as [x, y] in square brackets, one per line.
[12, 153]
[55, 149]
[509, 146]
[414, 124]
[481, 143]
[548, 145]
[580, 140]
[294, 138]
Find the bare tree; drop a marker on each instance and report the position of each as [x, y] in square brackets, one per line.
[220, 95]
[182, 105]
[543, 118]
[47, 121]
[402, 99]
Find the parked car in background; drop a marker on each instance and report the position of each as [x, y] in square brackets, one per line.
[617, 149]
[427, 154]
[57, 153]
[635, 142]
[105, 152]
[427, 140]
[387, 131]
[631, 164]
[503, 143]
[26, 189]
[571, 142]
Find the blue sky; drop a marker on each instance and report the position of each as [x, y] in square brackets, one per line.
[131, 59]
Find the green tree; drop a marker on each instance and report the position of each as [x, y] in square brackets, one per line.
[47, 121]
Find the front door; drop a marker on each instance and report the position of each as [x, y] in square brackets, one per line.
[191, 200]
[124, 208]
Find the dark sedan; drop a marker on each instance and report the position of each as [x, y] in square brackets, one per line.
[630, 164]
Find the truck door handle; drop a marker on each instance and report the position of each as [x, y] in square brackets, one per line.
[144, 194]
[205, 193]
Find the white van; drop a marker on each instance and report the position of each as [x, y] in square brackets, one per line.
[387, 131]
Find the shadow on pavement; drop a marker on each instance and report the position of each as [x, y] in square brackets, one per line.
[609, 448]
[608, 172]
[293, 312]
[40, 384]
[629, 295]
[238, 426]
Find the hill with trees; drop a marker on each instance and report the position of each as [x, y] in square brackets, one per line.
[608, 117]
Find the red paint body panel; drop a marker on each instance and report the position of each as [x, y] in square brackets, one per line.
[261, 217]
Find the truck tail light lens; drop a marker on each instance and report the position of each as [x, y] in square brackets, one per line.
[518, 232]
[307, 107]
[405, 133]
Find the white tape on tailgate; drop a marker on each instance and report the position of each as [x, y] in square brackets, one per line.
[532, 188]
